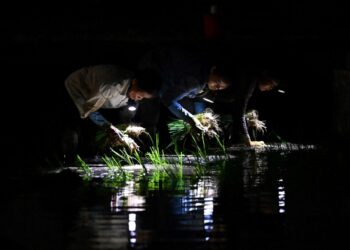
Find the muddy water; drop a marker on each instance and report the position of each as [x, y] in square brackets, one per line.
[257, 200]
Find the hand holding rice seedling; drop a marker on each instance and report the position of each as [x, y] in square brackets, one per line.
[209, 121]
[252, 118]
[120, 138]
[206, 122]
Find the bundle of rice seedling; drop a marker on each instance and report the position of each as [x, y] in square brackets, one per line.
[135, 131]
[118, 138]
[121, 136]
[179, 129]
[252, 118]
[210, 122]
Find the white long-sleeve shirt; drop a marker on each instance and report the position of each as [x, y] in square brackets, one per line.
[100, 86]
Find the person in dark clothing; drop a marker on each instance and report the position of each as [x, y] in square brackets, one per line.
[244, 84]
[186, 78]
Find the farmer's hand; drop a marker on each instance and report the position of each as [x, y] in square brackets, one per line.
[115, 131]
[130, 143]
[124, 139]
[246, 140]
[199, 125]
[257, 144]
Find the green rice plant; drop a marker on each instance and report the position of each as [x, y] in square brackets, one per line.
[86, 170]
[162, 179]
[138, 159]
[116, 178]
[180, 131]
[124, 155]
[179, 154]
[111, 162]
[177, 181]
[116, 175]
[156, 179]
[222, 146]
[180, 158]
[200, 170]
[163, 175]
[201, 151]
[156, 156]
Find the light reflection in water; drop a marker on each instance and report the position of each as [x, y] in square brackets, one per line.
[199, 199]
[281, 197]
[126, 197]
[132, 228]
[207, 190]
[254, 169]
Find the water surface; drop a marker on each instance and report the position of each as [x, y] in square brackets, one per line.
[275, 199]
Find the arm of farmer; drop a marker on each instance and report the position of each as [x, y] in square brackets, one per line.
[241, 123]
[124, 138]
[171, 99]
[99, 120]
[179, 111]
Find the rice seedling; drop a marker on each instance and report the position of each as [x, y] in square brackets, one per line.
[162, 179]
[85, 168]
[253, 122]
[138, 159]
[255, 126]
[135, 131]
[199, 170]
[180, 131]
[221, 144]
[180, 158]
[111, 162]
[210, 121]
[120, 136]
[116, 175]
[124, 155]
[201, 151]
[156, 156]
[156, 179]
[163, 175]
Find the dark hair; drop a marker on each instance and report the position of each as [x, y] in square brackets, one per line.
[148, 80]
[224, 71]
[272, 76]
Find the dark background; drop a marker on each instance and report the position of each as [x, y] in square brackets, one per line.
[43, 42]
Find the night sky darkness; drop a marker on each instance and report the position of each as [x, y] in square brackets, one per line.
[43, 42]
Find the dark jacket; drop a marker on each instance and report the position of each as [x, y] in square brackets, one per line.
[183, 74]
[244, 83]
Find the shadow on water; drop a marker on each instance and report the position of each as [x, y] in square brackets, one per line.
[257, 200]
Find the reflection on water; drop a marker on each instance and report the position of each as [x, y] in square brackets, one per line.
[191, 212]
[193, 217]
[281, 197]
[256, 200]
[125, 197]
